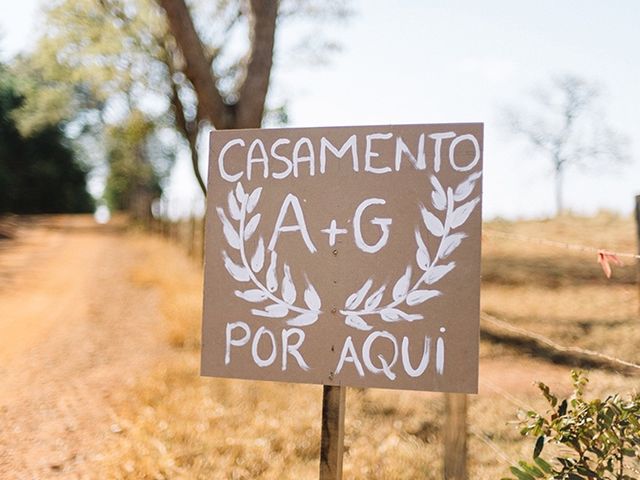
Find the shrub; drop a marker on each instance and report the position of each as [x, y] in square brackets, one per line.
[601, 438]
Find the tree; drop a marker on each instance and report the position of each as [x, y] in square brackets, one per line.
[133, 182]
[234, 97]
[98, 56]
[246, 107]
[99, 77]
[38, 173]
[566, 128]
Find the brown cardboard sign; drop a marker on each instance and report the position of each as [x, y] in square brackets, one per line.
[345, 256]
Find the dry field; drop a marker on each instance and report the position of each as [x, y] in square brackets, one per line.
[106, 384]
[177, 425]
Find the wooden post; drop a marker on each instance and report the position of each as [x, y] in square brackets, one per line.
[332, 439]
[201, 230]
[638, 237]
[455, 436]
[192, 236]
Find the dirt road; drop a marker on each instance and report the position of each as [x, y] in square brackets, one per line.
[77, 331]
[74, 333]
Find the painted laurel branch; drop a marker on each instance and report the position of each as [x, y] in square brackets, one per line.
[278, 291]
[363, 302]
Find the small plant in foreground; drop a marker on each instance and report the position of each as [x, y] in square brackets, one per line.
[602, 437]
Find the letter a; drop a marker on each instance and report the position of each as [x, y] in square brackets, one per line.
[300, 226]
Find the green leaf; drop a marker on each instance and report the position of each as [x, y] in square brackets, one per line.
[546, 468]
[562, 410]
[538, 448]
[573, 476]
[520, 474]
[531, 469]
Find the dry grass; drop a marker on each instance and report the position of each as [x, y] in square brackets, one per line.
[178, 425]
[563, 294]
[167, 268]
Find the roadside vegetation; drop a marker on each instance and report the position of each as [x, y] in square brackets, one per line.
[176, 424]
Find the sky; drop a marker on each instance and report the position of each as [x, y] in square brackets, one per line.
[419, 61]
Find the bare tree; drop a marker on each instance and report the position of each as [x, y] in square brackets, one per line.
[568, 129]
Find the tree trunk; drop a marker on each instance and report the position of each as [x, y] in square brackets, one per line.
[249, 109]
[190, 132]
[253, 93]
[559, 177]
[197, 67]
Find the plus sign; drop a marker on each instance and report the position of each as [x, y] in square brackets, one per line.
[332, 231]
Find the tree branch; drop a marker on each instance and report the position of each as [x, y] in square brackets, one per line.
[197, 67]
[253, 92]
[190, 132]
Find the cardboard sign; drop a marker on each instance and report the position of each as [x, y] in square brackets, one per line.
[345, 256]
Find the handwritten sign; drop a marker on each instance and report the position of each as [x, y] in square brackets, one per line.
[345, 256]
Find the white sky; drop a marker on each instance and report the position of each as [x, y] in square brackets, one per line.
[417, 61]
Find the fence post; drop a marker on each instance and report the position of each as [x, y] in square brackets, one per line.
[455, 436]
[201, 245]
[332, 437]
[192, 236]
[638, 240]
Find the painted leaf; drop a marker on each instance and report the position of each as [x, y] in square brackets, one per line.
[356, 321]
[272, 279]
[251, 226]
[232, 236]
[234, 208]
[390, 314]
[272, 311]
[450, 243]
[355, 299]
[436, 273]
[240, 195]
[311, 298]
[438, 197]
[422, 259]
[253, 295]
[461, 214]
[420, 296]
[432, 222]
[233, 239]
[465, 188]
[253, 199]
[401, 287]
[422, 254]
[304, 319]
[351, 300]
[288, 288]
[395, 315]
[374, 300]
[257, 261]
[420, 241]
[277, 310]
[238, 272]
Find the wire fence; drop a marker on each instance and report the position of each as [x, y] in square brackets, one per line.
[190, 233]
[554, 345]
[557, 244]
